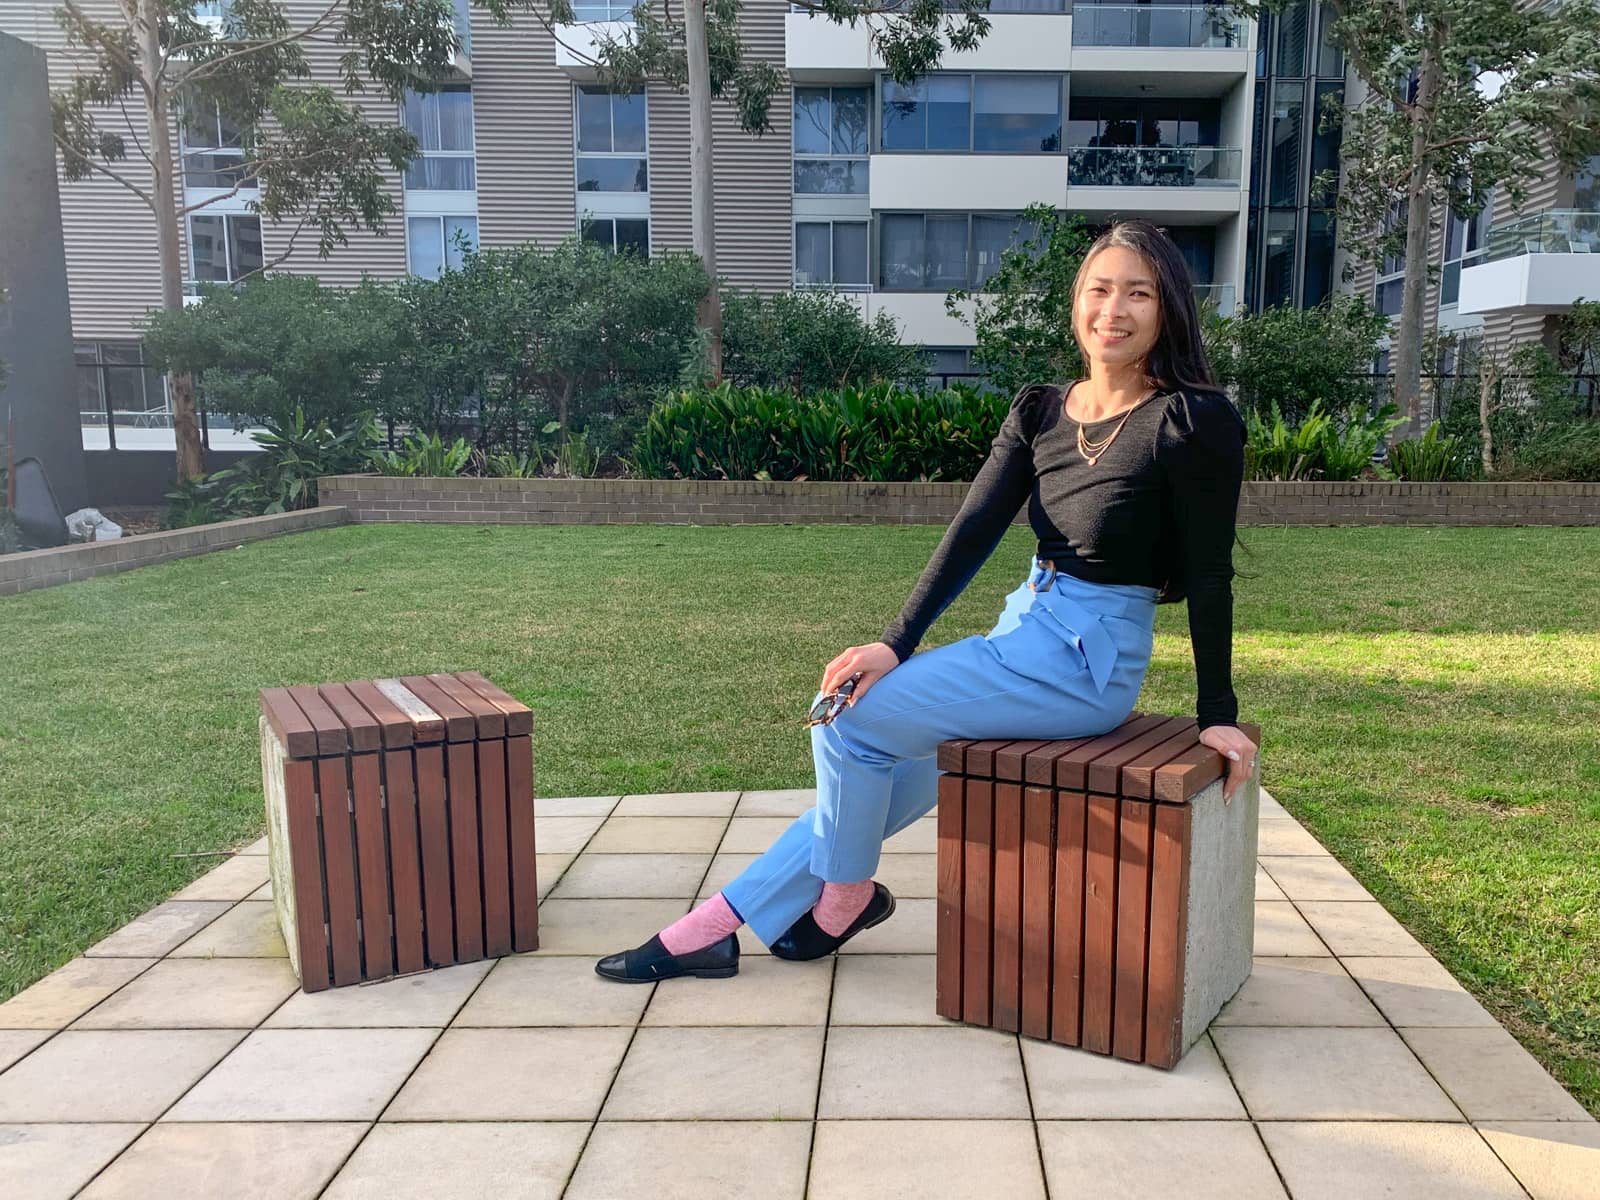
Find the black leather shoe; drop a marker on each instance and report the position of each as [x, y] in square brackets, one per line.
[650, 962]
[805, 939]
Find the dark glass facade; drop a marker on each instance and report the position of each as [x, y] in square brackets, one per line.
[1290, 232]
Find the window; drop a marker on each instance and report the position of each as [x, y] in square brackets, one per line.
[1109, 121]
[1330, 58]
[224, 247]
[114, 375]
[612, 141]
[1288, 121]
[1293, 27]
[1586, 186]
[1000, 113]
[831, 253]
[442, 123]
[618, 234]
[1319, 258]
[940, 251]
[1325, 141]
[212, 149]
[435, 245]
[830, 140]
[1277, 277]
[1389, 289]
[1463, 239]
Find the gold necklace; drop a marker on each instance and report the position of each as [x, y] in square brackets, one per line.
[1092, 451]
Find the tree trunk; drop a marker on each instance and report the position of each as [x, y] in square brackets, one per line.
[1419, 221]
[185, 427]
[1488, 383]
[702, 209]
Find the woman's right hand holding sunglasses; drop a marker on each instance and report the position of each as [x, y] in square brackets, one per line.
[867, 664]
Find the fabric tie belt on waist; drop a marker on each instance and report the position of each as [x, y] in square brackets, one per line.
[1081, 623]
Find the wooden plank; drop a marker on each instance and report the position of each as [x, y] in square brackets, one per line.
[461, 785]
[305, 850]
[1099, 924]
[519, 717]
[1039, 768]
[360, 725]
[1006, 923]
[1071, 768]
[296, 734]
[426, 725]
[1176, 781]
[393, 725]
[493, 826]
[948, 926]
[980, 758]
[1133, 928]
[1108, 773]
[1169, 933]
[491, 721]
[977, 899]
[520, 839]
[952, 755]
[1066, 997]
[1138, 776]
[459, 724]
[1038, 856]
[433, 827]
[339, 869]
[377, 952]
[1009, 762]
[331, 735]
[405, 866]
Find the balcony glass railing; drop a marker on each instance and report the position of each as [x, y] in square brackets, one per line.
[1559, 231]
[995, 6]
[1220, 295]
[604, 10]
[1161, 25]
[1152, 166]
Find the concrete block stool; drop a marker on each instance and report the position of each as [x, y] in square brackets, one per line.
[399, 824]
[1097, 892]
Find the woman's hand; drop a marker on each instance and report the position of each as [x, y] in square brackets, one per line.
[874, 661]
[1237, 748]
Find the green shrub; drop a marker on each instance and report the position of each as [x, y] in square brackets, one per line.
[422, 454]
[874, 433]
[1569, 452]
[282, 478]
[1320, 446]
[806, 341]
[1434, 457]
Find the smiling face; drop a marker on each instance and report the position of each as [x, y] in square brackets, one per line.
[1117, 312]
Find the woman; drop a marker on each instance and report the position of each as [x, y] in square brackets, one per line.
[1132, 480]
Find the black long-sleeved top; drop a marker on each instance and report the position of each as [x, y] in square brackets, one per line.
[1157, 509]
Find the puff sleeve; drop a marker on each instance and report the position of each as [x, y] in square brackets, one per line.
[1200, 446]
[1002, 485]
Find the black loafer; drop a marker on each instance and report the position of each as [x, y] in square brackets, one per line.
[650, 962]
[805, 939]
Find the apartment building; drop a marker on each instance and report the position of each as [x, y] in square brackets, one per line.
[891, 194]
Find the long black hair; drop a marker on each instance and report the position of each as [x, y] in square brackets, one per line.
[1178, 358]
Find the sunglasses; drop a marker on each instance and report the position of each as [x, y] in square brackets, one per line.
[829, 707]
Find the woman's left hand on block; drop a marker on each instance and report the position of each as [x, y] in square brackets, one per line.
[1235, 746]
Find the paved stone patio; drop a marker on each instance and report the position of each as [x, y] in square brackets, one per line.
[177, 1057]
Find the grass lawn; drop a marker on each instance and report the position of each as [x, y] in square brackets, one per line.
[1430, 701]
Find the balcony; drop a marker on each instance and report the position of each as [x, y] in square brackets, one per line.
[1153, 166]
[578, 46]
[1024, 35]
[1540, 263]
[1166, 26]
[1220, 295]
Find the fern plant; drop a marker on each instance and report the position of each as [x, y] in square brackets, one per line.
[1431, 458]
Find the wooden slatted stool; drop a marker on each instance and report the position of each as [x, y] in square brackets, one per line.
[1097, 892]
[399, 824]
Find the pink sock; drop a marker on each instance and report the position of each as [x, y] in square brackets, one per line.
[704, 925]
[840, 904]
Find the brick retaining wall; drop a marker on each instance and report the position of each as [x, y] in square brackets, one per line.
[63, 564]
[662, 501]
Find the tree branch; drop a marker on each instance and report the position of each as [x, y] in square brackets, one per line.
[1366, 68]
[88, 26]
[208, 68]
[134, 133]
[287, 251]
[72, 151]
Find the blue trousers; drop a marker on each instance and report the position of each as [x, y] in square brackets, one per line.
[1066, 659]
